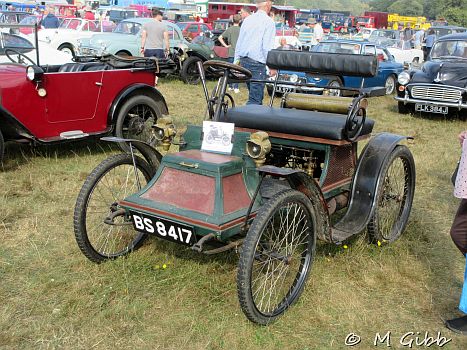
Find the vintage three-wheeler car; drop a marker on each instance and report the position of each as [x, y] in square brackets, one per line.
[271, 196]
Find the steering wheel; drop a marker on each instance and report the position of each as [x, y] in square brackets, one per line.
[20, 55]
[355, 119]
[234, 71]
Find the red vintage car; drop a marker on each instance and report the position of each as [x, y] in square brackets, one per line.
[193, 29]
[56, 103]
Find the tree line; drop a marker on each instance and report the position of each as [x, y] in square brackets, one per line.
[454, 11]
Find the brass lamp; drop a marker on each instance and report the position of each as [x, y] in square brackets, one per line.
[258, 146]
[164, 131]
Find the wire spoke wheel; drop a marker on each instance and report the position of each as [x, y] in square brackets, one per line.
[276, 256]
[103, 230]
[135, 120]
[394, 197]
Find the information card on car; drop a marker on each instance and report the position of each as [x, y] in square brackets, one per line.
[217, 137]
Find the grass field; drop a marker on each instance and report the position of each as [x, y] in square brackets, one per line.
[51, 296]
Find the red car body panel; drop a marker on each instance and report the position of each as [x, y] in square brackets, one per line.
[74, 100]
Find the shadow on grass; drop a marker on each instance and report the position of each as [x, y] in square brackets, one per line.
[18, 154]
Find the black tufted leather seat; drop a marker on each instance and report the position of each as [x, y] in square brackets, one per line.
[292, 121]
[80, 67]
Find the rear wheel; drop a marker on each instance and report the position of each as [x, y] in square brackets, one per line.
[135, 120]
[99, 237]
[396, 187]
[276, 256]
[190, 73]
[123, 53]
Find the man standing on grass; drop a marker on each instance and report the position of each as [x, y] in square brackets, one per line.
[231, 35]
[154, 36]
[256, 39]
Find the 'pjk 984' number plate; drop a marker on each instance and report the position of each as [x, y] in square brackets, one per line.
[165, 229]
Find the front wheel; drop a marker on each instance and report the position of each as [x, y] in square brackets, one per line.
[390, 85]
[110, 182]
[402, 108]
[334, 92]
[190, 73]
[394, 196]
[276, 256]
[135, 120]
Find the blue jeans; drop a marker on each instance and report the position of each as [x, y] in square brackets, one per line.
[232, 85]
[258, 71]
[158, 53]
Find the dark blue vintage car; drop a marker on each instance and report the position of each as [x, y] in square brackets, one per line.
[441, 85]
[388, 70]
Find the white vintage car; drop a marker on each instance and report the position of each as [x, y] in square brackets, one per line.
[413, 57]
[64, 38]
[12, 44]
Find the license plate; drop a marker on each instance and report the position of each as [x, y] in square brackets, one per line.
[163, 228]
[431, 108]
[284, 89]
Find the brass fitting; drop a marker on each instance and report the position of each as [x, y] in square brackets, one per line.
[258, 146]
[164, 132]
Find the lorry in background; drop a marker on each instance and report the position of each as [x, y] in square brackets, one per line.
[381, 18]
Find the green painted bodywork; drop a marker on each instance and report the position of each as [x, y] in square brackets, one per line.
[241, 163]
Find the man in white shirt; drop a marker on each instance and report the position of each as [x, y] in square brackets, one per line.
[318, 32]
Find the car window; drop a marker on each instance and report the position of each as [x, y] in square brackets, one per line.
[14, 42]
[337, 47]
[73, 24]
[382, 56]
[9, 18]
[182, 26]
[369, 50]
[91, 26]
[450, 48]
[173, 34]
[128, 28]
[29, 20]
[193, 28]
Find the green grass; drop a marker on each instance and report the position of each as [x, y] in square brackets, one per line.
[51, 296]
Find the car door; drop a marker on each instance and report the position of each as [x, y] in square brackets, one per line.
[72, 98]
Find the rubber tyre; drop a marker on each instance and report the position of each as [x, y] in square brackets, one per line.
[67, 47]
[86, 196]
[384, 198]
[123, 53]
[153, 111]
[337, 83]
[390, 80]
[402, 108]
[187, 74]
[249, 256]
[2, 147]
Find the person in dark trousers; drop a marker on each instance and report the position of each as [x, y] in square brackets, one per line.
[231, 35]
[49, 20]
[429, 41]
[256, 39]
[459, 237]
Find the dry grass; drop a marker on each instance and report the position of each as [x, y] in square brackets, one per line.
[52, 297]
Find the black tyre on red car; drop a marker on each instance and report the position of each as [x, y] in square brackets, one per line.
[103, 230]
[136, 118]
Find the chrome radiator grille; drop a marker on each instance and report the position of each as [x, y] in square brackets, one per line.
[436, 92]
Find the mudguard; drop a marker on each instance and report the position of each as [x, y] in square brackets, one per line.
[143, 89]
[364, 186]
[12, 128]
[150, 154]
